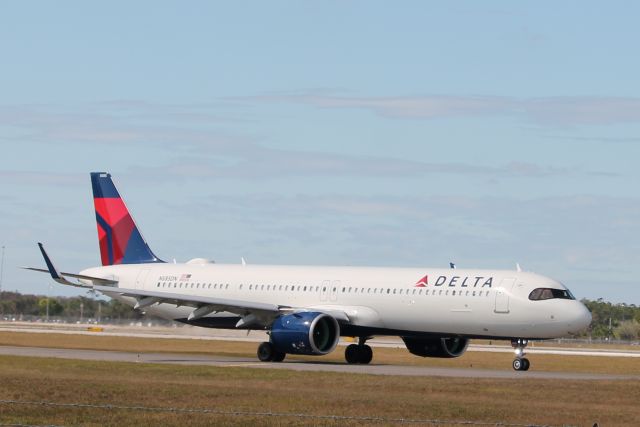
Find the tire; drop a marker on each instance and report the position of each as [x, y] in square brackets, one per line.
[278, 356]
[525, 364]
[352, 354]
[517, 364]
[266, 352]
[366, 354]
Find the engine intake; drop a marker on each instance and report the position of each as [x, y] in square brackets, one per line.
[445, 347]
[308, 332]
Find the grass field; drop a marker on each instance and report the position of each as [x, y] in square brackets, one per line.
[521, 401]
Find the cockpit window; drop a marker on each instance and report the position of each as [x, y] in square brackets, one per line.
[539, 294]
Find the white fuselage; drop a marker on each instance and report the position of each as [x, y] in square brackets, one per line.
[472, 303]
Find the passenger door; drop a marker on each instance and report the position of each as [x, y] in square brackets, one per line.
[324, 290]
[141, 279]
[335, 288]
[502, 295]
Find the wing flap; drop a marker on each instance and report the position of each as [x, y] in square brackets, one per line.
[218, 304]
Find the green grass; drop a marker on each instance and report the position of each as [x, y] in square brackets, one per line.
[552, 402]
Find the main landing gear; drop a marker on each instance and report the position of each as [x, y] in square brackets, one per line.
[520, 363]
[358, 353]
[268, 353]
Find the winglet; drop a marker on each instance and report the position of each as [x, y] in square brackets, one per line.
[52, 269]
[60, 276]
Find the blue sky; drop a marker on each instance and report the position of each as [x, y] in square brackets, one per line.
[350, 133]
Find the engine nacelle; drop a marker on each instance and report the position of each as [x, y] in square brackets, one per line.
[446, 347]
[306, 332]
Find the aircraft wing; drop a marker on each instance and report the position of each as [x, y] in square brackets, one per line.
[61, 275]
[250, 312]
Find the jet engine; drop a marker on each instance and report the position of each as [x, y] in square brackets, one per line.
[445, 347]
[308, 332]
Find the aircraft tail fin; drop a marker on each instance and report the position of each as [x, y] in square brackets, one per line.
[120, 240]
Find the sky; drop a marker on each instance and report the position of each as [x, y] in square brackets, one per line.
[412, 134]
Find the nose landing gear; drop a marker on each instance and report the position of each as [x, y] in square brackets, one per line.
[520, 363]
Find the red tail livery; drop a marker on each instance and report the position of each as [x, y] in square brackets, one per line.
[119, 237]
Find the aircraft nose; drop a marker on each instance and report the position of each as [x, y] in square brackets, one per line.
[581, 317]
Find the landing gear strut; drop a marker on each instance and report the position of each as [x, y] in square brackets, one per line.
[268, 353]
[520, 363]
[358, 353]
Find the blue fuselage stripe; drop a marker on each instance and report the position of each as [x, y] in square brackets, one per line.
[107, 229]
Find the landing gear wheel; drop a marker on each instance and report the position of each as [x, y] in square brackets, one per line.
[366, 354]
[521, 364]
[266, 352]
[352, 354]
[278, 356]
[517, 364]
[355, 353]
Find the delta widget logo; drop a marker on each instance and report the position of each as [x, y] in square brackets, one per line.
[422, 283]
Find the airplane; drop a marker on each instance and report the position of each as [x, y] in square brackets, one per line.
[306, 309]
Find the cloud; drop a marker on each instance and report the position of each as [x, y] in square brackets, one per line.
[548, 111]
[39, 178]
[209, 151]
[569, 234]
[601, 139]
[260, 163]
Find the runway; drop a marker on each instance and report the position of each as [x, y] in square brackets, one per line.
[241, 362]
[192, 333]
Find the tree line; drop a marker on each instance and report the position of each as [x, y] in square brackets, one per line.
[14, 305]
[617, 321]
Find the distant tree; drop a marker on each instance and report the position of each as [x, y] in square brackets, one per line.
[628, 330]
[55, 308]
